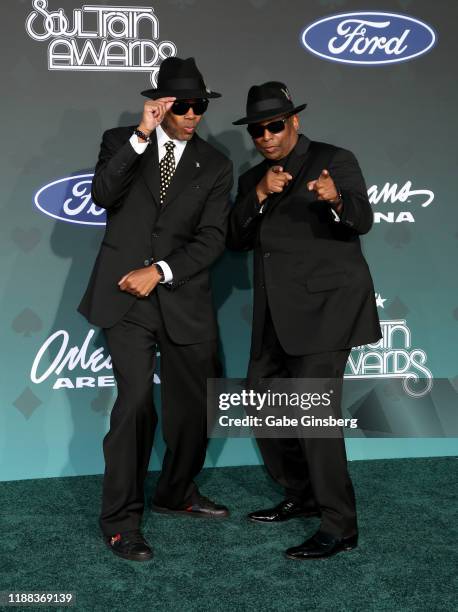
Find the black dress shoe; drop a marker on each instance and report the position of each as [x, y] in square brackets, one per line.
[322, 545]
[129, 545]
[287, 509]
[199, 507]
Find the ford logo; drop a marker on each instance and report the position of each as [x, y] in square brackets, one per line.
[368, 38]
[69, 199]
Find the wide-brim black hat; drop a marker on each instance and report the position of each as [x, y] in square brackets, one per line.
[268, 100]
[181, 79]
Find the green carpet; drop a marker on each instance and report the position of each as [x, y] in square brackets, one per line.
[406, 559]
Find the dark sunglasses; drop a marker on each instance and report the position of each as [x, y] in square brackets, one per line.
[181, 107]
[256, 130]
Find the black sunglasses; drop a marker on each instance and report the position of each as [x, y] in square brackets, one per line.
[256, 130]
[180, 107]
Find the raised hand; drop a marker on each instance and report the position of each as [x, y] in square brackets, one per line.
[274, 181]
[153, 113]
[324, 187]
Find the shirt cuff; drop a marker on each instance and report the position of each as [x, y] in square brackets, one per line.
[166, 270]
[139, 147]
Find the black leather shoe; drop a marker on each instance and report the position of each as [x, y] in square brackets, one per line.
[129, 545]
[287, 509]
[199, 507]
[322, 545]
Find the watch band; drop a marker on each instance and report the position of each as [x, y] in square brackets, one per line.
[337, 199]
[160, 271]
[142, 135]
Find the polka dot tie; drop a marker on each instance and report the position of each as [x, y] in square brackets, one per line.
[167, 168]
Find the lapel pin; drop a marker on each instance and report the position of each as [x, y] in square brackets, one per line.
[197, 164]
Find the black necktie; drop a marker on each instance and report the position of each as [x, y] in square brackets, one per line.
[167, 168]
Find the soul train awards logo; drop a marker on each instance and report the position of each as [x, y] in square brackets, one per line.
[393, 356]
[99, 37]
[403, 196]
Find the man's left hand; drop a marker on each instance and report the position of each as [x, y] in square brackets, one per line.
[140, 282]
[325, 189]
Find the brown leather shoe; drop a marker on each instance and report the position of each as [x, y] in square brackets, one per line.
[199, 507]
[129, 545]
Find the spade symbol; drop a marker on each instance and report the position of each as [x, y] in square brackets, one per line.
[27, 322]
[397, 235]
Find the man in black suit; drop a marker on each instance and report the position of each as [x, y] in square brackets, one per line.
[166, 192]
[302, 210]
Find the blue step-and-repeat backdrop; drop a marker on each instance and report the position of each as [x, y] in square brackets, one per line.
[379, 80]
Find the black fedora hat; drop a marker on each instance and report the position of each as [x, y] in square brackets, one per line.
[268, 100]
[180, 78]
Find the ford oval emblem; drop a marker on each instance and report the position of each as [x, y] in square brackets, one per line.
[69, 199]
[371, 38]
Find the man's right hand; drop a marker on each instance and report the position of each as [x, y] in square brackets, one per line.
[274, 181]
[153, 114]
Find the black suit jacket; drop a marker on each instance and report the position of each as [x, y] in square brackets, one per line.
[189, 232]
[309, 267]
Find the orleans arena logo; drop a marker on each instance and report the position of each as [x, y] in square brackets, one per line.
[99, 37]
[368, 38]
[396, 203]
[73, 366]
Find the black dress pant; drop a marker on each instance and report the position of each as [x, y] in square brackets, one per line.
[133, 343]
[313, 470]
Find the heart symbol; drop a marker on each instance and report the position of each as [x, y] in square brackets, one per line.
[26, 239]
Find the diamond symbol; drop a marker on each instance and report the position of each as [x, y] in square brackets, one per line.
[102, 403]
[397, 309]
[27, 402]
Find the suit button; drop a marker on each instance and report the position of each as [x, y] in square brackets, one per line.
[146, 262]
[267, 254]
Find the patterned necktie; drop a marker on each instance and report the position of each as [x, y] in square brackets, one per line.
[167, 168]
